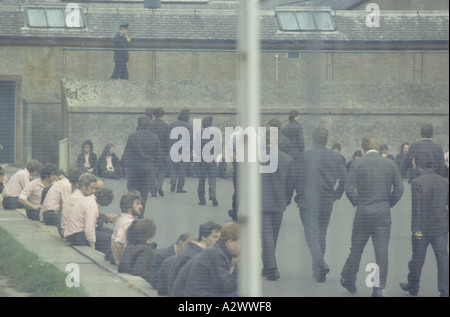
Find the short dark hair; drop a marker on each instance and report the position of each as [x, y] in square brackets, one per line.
[207, 122]
[34, 166]
[127, 201]
[143, 122]
[149, 112]
[426, 131]
[320, 136]
[140, 231]
[293, 114]
[47, 170]
[184, 114]
[207, 228]
[74, 174]
[86, 179]
[383, 147]
[159, 112]
[336, 146]
[104, 196]
[423, 159]
[357, 153]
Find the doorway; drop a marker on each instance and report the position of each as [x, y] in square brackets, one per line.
[7, 120]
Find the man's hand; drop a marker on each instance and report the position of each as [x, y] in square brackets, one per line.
[111, 218]
[418, 235]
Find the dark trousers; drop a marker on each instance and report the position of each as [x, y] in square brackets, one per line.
[270, 229]
[235, 198]
[206, 170]
[33, 214]
[163, 167]
[116, 174]
[143, 181]
[365, 226]
[51, 217]
[315, 217]
[102, 243]
[178, 174]
[10, 203]
[120, 71]
[419, 250]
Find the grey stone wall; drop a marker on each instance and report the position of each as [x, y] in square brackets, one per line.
[106, 111]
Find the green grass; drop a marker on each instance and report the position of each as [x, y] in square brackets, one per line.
[27, 273]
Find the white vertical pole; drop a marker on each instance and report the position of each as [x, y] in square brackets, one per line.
[249, 178]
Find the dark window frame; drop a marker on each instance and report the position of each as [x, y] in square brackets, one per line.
[313, 14]
[47, 26]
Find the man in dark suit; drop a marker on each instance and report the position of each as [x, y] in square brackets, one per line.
[120, 43]
[178, 169]
[429, 223]
[320, 170]
[424, 144]
[141, 155]
[277, 189]
[161, 129]
[294, 132]
[374, 186]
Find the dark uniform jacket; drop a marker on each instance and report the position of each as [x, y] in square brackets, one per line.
[374, 184]
[120, 45]
[437, 155]
[207, 274]
[429, 194]
[277, 188]
[141, 150]
[294, 132]
[319, 171]
[161, 129]
[137, 260]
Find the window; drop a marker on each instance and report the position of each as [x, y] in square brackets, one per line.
[70, 17]
[305, 20]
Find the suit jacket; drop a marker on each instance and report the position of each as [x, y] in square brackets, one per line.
[277, 188]
[141, 150]
[160, 256]
[373, 184]
[207, 274]
[137, 260]
[294, 132]
[429, 194]
[120, 45]
[319, 171]
[437, 155]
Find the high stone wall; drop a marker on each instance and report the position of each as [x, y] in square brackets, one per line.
[106, 111]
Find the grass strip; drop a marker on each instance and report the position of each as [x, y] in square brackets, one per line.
[29, 274]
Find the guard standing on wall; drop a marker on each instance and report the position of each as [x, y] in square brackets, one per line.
[120, 43]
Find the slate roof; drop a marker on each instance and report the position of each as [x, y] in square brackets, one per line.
[221, 25]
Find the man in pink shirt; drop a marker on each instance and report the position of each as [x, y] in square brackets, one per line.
[17, 183]
[130, 205]
[80, 213]
[30, 196]
[52, 204]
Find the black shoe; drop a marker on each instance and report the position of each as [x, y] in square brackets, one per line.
[233, 215]
[181, 191]
[272, 274]
[377, 292]
[154, 195]
[202, 203]
[172, 188]
[215, 202]
[406, 288]
[160, 192]
[322, 273]
[349, 286]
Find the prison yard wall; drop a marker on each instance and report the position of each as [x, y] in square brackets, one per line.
[106, 111]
